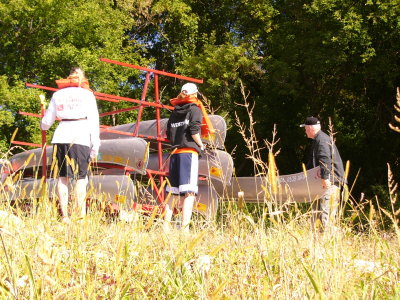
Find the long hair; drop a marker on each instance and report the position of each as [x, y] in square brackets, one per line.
[77, 73]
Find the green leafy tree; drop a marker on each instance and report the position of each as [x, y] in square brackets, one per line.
[336, 59]
[41, 40]
[330, 58]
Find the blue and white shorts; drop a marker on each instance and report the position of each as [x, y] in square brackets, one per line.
[183, 173]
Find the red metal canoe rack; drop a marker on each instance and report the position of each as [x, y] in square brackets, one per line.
[140, 105]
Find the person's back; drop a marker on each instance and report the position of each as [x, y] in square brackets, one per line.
[326, 155]
[77, 104]
[183, 130]
[182, 124]
[323, 153]
[76, 139]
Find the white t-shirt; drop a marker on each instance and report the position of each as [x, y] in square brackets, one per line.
[74, 103]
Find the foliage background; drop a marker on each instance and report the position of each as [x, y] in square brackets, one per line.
[334, 59]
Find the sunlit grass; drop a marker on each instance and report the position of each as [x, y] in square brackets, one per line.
[265, 251]
[239, 256]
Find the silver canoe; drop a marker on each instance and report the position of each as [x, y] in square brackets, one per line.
[206, 203]
[131, 153]
[149, 129]
[297, 187]
[118, 189]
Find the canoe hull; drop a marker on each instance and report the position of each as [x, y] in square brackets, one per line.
[116, 189]
[149, 129]
[131, 153]
[291, 188]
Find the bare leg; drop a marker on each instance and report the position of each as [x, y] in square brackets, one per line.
[80, 196]
[169, 209]
[62, 191]
[187, 211]
[167, 218]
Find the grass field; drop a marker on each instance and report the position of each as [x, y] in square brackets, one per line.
[262, 251]
[241, 255]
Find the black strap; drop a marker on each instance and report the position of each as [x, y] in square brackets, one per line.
[85, 118]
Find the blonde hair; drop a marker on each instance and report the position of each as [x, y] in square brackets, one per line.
[182, 95]
[77, 73]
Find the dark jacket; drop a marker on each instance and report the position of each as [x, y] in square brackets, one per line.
[184, 121]
[322, 153]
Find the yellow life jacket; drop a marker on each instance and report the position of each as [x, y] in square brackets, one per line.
[207, 128]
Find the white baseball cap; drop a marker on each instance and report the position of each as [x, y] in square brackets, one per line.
[189, 88]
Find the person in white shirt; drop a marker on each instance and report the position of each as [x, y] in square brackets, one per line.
[76, 139]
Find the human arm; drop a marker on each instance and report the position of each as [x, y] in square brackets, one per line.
[49, 116]
[197, 138]
[94, 123]
[323, 155]
[195, 127]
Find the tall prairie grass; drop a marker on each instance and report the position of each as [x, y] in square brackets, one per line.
[237, 257]
[268, 251]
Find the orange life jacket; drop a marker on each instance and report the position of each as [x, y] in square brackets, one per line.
[72, 82]
[207, 128]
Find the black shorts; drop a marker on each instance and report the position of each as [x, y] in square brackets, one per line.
[72, 160]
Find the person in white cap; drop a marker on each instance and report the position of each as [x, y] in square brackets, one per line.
[323, 153]
[189, 89]
[76, 139]
[183, 131]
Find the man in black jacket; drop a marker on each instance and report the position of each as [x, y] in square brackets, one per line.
[183, 131]
[323, 153]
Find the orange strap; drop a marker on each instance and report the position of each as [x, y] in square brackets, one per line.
[184, 150]
[207, 128]
[72, 82]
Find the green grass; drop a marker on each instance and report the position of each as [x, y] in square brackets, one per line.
[94, 258]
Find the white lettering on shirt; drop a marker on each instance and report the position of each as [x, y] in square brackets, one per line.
[179, 124]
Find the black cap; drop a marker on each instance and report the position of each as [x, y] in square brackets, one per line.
[310, 121]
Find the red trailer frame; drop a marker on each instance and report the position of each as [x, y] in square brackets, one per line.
[142, 104]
